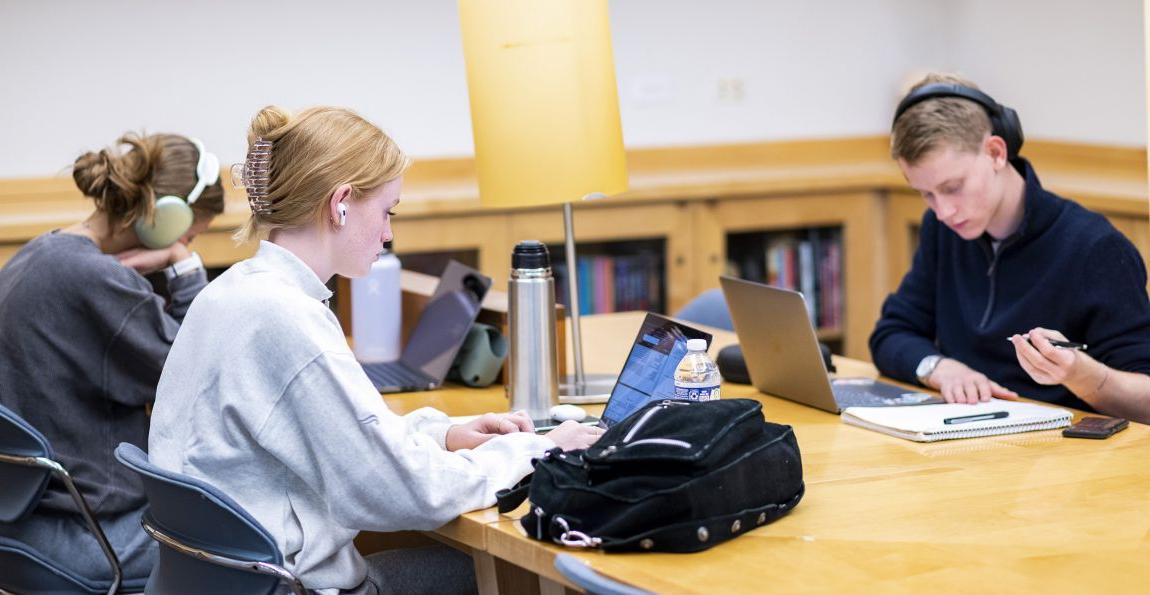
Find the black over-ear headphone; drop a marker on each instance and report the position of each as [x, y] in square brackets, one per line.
[1004, 121]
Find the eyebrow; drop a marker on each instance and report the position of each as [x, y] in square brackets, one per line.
[945, 182]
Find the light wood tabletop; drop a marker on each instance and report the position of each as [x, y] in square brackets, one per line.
[1024, 512]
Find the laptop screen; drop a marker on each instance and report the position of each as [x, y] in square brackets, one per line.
[649, 372]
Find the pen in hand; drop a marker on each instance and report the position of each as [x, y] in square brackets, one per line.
[962, 419]
[1060, 344]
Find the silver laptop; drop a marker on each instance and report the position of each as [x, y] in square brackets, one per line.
[783, 357]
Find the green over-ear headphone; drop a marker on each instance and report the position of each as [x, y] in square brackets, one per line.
[173, 215]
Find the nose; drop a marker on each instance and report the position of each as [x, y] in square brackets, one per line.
[387, 235]
[944, 210]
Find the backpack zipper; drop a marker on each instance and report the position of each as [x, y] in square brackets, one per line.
[666, 441]
[646, 416]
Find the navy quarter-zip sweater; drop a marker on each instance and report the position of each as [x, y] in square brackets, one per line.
[1065, 268]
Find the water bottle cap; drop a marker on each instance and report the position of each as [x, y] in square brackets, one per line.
[696, 344]
[530, 254]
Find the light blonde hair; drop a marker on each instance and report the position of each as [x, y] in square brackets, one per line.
[124, 184]
[313, 153]
[951, 121]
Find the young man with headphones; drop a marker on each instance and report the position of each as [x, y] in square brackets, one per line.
[1004, 267]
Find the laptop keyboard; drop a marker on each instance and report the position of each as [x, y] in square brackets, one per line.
[878, 394]
[854, 396]
[395, 374]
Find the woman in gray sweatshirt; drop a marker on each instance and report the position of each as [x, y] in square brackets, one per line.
[85, 336]
[262, 397]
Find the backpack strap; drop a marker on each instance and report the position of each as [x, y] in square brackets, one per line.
[512, 497]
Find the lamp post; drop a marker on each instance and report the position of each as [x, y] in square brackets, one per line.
[545, 118]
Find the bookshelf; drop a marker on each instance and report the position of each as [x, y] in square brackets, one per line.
[807, 260]
[735, 230]
[703, 205]
[655, 237]
[615, 276]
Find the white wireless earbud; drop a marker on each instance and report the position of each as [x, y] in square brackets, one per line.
[342, 214]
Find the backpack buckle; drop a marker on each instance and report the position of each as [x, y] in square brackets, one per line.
[572, 538]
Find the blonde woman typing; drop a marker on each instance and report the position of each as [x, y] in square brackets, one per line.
[262, 397]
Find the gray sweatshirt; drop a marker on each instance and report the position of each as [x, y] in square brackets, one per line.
[82, 342]
[262, 397]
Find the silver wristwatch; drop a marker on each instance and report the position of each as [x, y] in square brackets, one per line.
[926, 368]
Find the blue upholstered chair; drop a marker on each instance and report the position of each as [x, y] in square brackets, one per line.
[584, 577]
[26, 464]
[709, 308]
[208, 542]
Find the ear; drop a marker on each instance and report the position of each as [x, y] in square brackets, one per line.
[340, 195]
[995, 146]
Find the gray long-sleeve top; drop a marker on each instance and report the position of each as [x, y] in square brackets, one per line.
[262, 398]
[82, 342]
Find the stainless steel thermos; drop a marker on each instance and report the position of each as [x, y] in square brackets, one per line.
[532, 363]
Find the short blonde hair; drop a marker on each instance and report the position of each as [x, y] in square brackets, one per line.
[314, 153]
[952, 121]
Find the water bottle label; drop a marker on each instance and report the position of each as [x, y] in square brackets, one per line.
[696, 392]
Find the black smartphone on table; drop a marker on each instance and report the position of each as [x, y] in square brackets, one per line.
[1096, 427]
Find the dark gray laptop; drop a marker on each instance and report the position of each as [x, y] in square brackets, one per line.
[783, 358]
[648, 373]
[438, 335]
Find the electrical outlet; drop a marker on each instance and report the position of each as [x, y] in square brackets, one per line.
[730, 89]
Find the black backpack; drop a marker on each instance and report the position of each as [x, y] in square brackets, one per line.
[675, 476]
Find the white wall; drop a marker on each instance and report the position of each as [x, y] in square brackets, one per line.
[76, 73]
[808, 69]
[1074, 70]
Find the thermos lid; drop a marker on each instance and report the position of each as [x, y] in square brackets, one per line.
[530, 254]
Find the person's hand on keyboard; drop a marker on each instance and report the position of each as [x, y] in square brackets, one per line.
[572, 435]
[485, 427]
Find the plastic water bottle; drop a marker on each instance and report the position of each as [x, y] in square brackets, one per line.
[375, 311]
[697, 377]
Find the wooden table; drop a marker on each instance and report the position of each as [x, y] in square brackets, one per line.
[1026, 512]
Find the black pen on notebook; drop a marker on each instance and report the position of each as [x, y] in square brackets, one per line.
[1059, 343]
[962, 419]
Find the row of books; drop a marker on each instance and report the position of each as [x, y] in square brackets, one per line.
[613, 283]
[808, 261]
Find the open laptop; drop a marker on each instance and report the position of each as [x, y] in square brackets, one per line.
[648, 372]
[783, 357]
[438, 335]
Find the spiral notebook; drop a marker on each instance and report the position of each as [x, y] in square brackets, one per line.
[930, 423]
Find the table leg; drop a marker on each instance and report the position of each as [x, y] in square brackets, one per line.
[486, 576]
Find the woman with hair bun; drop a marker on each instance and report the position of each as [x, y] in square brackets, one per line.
[86, 335]
[262, 397]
